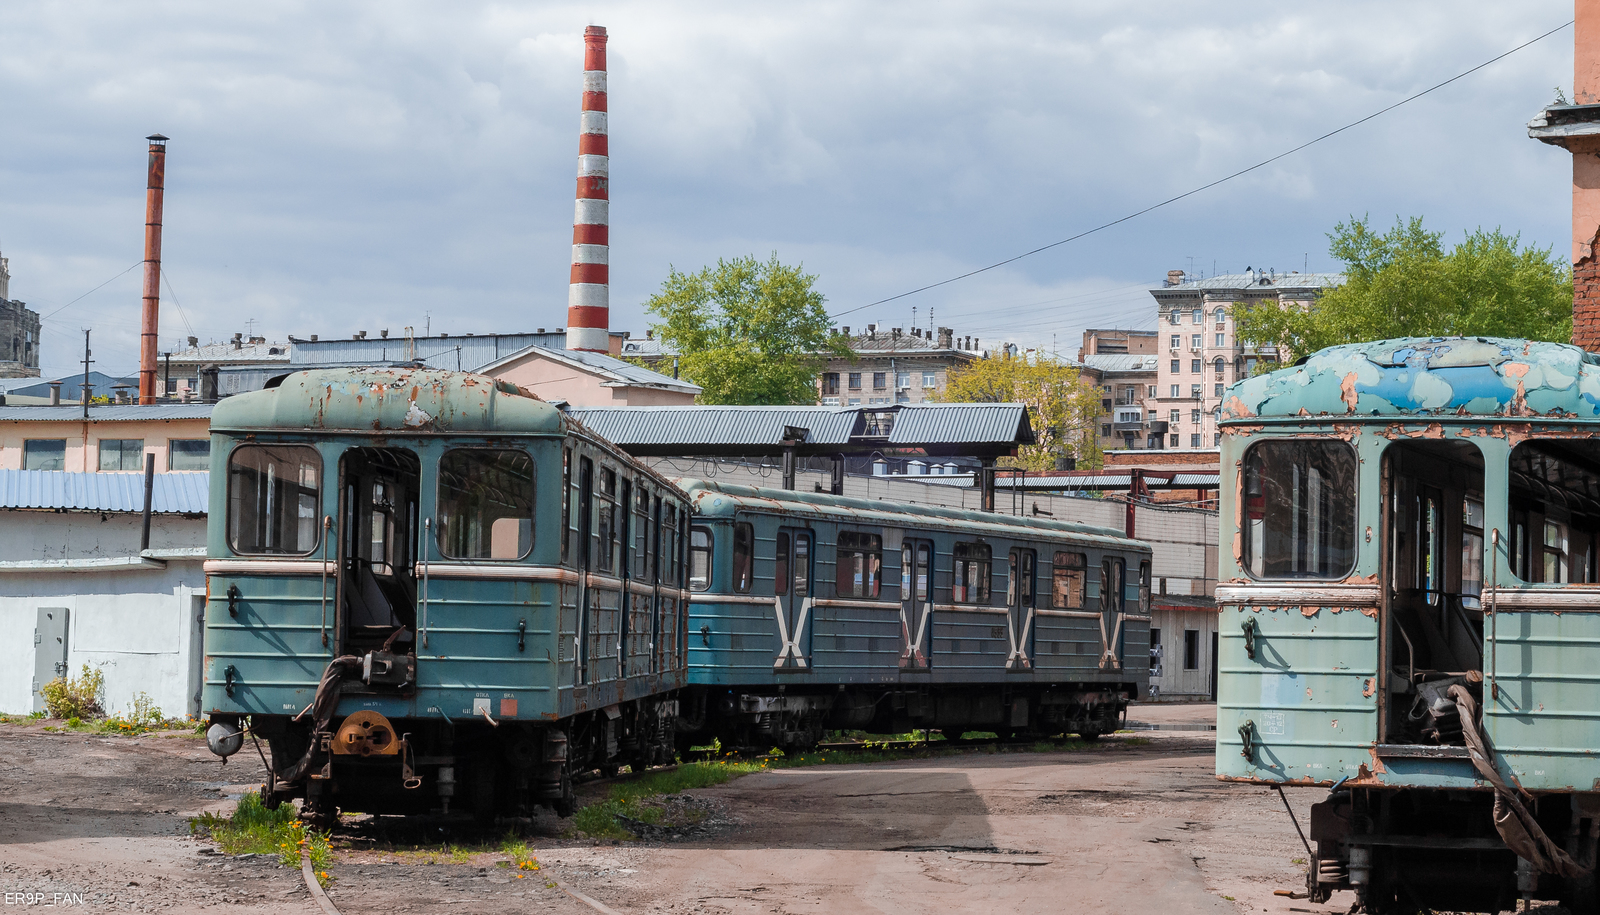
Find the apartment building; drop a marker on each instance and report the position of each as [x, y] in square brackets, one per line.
[1200, 352]
[894, 365]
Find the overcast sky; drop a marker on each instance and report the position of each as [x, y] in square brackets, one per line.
[337, 167]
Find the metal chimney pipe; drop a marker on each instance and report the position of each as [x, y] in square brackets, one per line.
[149, 320]
[589, 295]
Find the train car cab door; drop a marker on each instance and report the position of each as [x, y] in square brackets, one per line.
[916, 603]
[377, 590]
[1113, 572]
[792, 602]
[1019, 610]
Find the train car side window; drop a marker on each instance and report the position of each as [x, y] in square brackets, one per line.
[780, 568]
[743, 556]
[485, 504]
[1299, 509]
[970, 581]
[859, 564]
[1019, 580]
[273, 496]
[606, 522]
[1071, 581]
[1111, 585]
[1144, 587]
[566, 503]
[641, 534]
[699, 558]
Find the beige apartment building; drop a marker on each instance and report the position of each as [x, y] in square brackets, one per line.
[1123, 363]
[1200, 353]
[894, 365]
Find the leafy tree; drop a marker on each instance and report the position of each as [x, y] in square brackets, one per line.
[1064, 410]
[1403, 283]
[747, 332]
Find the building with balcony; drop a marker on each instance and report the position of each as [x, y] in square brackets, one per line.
[1127, 381]
[1200, 354]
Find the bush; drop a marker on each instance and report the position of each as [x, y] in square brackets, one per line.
[77, 698]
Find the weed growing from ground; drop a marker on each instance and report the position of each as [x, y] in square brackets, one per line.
[253, 829]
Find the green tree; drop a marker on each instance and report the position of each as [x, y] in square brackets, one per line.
[747, 332]
[1403, 283]
[1064, 410]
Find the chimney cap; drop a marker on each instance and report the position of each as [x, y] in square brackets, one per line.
[156, 138]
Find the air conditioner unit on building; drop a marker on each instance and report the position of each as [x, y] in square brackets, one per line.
[1194, 349]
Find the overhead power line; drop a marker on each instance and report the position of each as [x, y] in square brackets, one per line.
[89, 293]
[1208, 186]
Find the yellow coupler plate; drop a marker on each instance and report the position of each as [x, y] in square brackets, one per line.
[366, 733]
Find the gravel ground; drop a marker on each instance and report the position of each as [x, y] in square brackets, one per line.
[1131, 825]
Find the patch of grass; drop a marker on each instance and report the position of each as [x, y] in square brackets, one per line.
[253, 829]
[599, 820]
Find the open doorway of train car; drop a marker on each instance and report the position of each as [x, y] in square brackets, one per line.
[377, 591]
[1432, 620]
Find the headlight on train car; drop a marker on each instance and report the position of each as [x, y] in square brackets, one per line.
[224, 738]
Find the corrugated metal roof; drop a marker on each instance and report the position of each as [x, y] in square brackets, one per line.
[1262, 281]
[913, 424]
[961, 423]
[625, 372]
[438, 352]
[716, 425]
[105, 413]
[171, 493]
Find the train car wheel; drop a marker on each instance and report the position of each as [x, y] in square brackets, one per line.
[566, 805]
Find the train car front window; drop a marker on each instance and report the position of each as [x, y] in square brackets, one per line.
[485, 504]
[1299, 512]
[699, 558]
[273, 491]
[970, 584]
[860, 562]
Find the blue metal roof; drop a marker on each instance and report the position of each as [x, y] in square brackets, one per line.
[106, 413]
[1426, 376]
[171, 493]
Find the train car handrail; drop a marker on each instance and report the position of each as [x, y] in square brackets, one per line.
[422, 558]
[1286, 594]
[327, 525]
[269, 567]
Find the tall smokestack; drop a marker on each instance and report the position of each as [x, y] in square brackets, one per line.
[149, 322]
[589, 296]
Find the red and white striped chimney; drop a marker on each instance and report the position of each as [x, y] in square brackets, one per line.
[589, 297]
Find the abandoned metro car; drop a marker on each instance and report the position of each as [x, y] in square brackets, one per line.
[1410, 615]
[430, 588]
[810, 611]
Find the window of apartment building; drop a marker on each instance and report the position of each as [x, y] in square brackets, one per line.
[1194, 440]
[1152, 392]
[1194, 416]
[189, 454]
[1222, 339]
[1216, 439]
[122, 454]
[1105, 404]
[1191, 649]
[830, 401]
[930, 379]
[1174, 441]
[1174, 390]
[1177, 366]
[1194, 390]
[1220, 387]
[1194, 340]
[44, 454]
[1222, 317]
[1194, 366]
[880, 380]
[853, 402]
[902, 397]
[1197, 318]
[1177, 340]
[1173, 317]
[1219, 364]
[902, 380]
[1105, 429]
[830, 383]
[1176, 417]
[855, 381]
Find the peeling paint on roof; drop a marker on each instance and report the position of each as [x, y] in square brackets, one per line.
[1426, 376]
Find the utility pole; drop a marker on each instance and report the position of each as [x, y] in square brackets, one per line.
[86, 360]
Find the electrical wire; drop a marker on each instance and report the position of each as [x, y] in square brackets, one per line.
[90, 292]
[1190, 193]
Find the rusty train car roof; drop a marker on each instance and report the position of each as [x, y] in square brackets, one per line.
[1424, 377]
[390, 400]
[715, 499]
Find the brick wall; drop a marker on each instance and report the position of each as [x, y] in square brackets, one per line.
[1586, 300]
